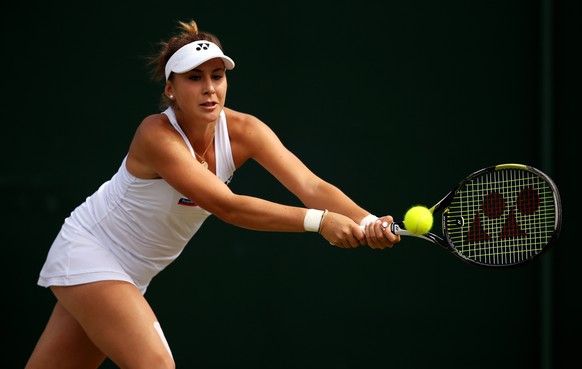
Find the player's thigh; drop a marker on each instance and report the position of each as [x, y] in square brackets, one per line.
[120, 322]
[64, 345]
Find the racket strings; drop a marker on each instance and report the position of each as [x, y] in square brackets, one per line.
[502, 217]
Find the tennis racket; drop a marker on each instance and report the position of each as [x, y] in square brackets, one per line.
[501, 216]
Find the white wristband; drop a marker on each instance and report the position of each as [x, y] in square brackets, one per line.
[368, 219]
[312, 220]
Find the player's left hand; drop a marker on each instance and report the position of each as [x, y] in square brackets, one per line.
[378, 234]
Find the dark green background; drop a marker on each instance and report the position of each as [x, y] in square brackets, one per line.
[393, 102]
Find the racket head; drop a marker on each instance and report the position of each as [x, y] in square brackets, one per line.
[502, 216]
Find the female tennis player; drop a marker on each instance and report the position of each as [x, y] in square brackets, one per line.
[175, 174]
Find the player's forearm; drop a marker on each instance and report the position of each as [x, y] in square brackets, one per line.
[261, 215]
[328, 196]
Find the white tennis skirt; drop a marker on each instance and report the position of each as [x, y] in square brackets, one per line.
[77, 257]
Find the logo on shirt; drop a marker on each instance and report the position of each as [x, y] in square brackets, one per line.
[186, 202]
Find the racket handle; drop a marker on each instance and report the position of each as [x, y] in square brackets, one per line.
[397, 228]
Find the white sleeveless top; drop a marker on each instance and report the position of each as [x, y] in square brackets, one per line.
[130, 228]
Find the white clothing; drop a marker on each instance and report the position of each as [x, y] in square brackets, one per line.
[130, 228]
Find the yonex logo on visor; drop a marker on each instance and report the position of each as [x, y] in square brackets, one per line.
[193, 54]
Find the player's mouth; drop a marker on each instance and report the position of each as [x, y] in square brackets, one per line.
[209, 104]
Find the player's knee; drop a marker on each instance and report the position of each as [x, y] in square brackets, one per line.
[166, 358]
[152, 361]
[163, 362]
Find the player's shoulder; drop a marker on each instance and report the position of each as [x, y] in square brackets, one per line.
[155, 126]
[239, 122]
[237, 117]
[154, 120]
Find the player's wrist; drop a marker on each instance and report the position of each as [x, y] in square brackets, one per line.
[313, 220]
[370, 218]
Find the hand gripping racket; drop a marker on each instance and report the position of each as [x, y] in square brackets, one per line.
[500, 216]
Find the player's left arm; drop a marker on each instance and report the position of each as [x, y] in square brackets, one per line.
[258, 142]
[312, 190]
[253, 139]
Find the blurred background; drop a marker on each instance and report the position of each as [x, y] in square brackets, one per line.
[392, 101]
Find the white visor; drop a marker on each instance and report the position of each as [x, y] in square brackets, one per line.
[193, 54]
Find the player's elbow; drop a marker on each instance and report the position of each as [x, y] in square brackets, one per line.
[312, 194]
[228, 216]
[229, 210]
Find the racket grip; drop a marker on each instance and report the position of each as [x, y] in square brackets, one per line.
[396, 228]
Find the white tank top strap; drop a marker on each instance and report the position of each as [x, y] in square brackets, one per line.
[224, 161]
[172, 117]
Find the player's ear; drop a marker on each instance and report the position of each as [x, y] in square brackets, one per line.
[168, 91]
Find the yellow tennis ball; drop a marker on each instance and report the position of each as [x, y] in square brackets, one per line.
[418, 220]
